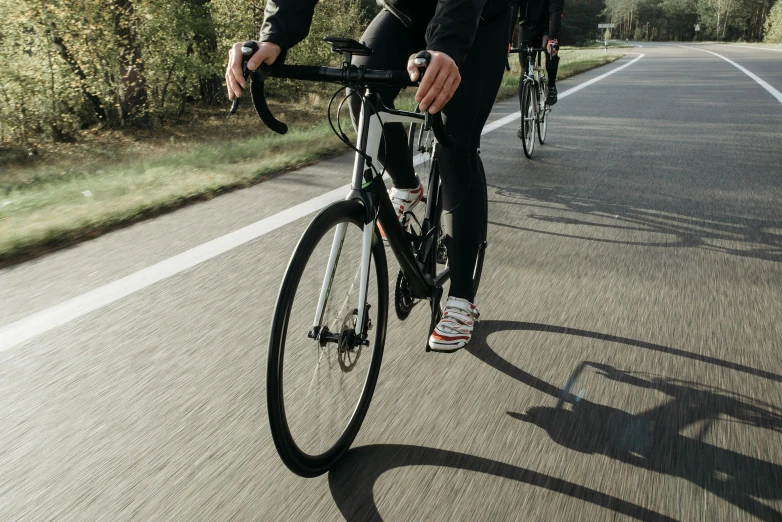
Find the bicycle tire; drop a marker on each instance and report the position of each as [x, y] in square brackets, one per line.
[528, 116]
[542, 123]
[295, 458]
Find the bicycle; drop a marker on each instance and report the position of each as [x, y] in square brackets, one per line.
[534, 105]
[325, 321]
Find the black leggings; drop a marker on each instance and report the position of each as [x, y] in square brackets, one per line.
[464, 191]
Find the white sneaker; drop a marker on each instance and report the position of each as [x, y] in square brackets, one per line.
[404, 200]
[455, 328]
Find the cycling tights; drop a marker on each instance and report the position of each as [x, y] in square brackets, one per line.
[463, 188]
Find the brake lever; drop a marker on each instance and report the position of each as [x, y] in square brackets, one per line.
[432, 121]
[249, 48]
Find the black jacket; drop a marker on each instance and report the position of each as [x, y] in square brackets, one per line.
[449, 26]
[537, 10]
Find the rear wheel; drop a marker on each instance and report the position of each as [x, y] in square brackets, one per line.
[320, 378]
[484, 230]
[528, 111]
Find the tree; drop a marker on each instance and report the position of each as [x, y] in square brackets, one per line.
[579, 20]
[132, 83]
[773, 27]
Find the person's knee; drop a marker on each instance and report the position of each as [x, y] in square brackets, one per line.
[459, 173]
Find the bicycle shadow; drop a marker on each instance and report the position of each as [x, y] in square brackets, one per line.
[353, 479]
[652, 440]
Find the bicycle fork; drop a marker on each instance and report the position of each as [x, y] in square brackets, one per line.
[369, 133]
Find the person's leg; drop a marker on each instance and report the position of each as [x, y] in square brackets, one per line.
[391, 43]
[465, 114]
[529, 35]
[526, 34]
[464, 190]
[552, 63]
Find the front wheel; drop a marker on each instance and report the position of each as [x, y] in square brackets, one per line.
[542, 122]
[528, 113]
[321, 371]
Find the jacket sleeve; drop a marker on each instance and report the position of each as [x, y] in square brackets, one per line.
[453, 27]
[555, 17]
[287, 22]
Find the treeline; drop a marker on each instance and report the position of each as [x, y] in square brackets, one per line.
[70, 64]
[720, 20]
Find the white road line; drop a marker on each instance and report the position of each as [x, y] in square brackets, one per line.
[775, 93]
[754, 47]
[39, 323]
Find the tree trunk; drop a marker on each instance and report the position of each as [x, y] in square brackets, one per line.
[211, 88]
[131, 82]
[727, 15]
[62, 50]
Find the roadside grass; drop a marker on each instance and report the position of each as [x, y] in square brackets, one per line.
[56, 204]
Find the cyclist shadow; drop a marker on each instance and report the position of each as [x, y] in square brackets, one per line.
[652, 440]
[751, 237]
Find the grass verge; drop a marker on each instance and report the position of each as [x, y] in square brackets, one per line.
[43, 208]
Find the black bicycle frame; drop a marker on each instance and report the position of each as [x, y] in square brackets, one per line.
[418, 267]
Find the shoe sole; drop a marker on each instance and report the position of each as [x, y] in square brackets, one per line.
[446, 348]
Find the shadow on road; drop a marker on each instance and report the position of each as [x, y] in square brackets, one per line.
[479, 347]
[352, 480]
[757, 238]
[652, 440]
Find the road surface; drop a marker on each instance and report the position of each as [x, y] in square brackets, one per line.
[638, 256]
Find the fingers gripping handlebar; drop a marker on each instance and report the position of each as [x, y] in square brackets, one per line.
[248, 50]
[432, 121]
[347, 75]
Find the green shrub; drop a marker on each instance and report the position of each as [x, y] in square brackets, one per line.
[773, 28]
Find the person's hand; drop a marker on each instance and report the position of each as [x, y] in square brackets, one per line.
[234, 79]
[553, 47]
[439, 83]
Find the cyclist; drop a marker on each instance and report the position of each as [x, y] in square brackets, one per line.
[540, 21]
[467, 40]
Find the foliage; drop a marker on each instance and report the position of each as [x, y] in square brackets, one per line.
[579, 21]
[676, 19]
[69, 64]
[774, 24]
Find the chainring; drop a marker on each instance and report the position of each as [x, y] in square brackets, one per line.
[403, 297]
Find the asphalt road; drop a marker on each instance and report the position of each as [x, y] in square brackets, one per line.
[638, 255]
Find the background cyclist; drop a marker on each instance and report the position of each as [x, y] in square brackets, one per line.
[539, 23]
[468, 43]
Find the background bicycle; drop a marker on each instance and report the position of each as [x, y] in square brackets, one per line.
[534, 107]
